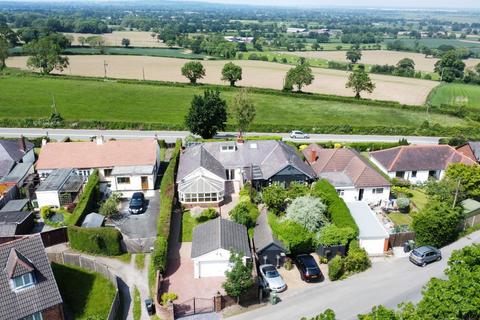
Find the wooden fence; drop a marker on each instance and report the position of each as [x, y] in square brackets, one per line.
[398, 239]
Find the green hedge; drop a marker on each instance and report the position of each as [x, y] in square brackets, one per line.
[104, 241]
[167, 194]
[295, 237]
[88, 200]
[338, 211]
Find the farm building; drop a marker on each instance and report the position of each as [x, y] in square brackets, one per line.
[373, 237]
[123, 165]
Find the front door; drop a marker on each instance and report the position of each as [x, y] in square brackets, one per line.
[360, 194]
[144, 183]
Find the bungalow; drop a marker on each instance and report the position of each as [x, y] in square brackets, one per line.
[205, 170]
[123, 165]
[212, 244]
[28, 289]
[351, 175]
[418, 163]
[471, 149]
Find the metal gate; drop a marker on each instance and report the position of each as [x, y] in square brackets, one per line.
[193, 306]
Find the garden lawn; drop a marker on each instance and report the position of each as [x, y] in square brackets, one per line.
[113, 101]
[188, 224]
[400, 218]
[456, 94]
[87, 294]
[419, 198]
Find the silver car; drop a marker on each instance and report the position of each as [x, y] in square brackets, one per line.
[296, 134]
[273, 280]
[423, 255]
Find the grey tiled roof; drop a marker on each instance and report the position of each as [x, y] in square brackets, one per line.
[219, 234]
[475, 146]
[9, 222]
[263, 236]
[195, 157]
[15, 205]
[11, 153]
[44, 294]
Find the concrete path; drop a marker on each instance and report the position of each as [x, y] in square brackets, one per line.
[388, 282]
[171, 136]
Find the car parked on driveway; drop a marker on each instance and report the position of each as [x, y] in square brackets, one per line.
[425, 254]
[308, 268]
[272, 279]
[296, 134]
[137, 203]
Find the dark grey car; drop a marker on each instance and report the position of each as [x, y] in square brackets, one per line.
[423, 255]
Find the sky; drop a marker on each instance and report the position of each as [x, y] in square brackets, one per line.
[441, 4]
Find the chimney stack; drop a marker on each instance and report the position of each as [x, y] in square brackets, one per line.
[99, 139]
[313, 156]
[21, 144]
[44, 142]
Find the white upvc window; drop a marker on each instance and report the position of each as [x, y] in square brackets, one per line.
[24, 281]
[35, 316]
[377, 191]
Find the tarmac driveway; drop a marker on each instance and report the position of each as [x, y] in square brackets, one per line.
[142, 225]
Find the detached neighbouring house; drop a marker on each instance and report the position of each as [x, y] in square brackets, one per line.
[268, 248]
[60, 188]
[353, 177]
[208, 171]
[28, 290]
[373, 237]
[13, 223]
[471, 149]
[14, 152]
[418, 163]
[212, 243]
[123, 165]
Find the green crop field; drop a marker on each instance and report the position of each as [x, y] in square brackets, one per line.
[435, 43]
[456, 94]
[31, 97]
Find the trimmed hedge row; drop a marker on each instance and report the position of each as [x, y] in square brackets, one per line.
[88, 200]
[167, 193]
[104, 241]
[337, 209]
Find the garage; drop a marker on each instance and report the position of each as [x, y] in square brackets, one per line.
[373, 237]
[212, 244]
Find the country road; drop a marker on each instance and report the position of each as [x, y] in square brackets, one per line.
[171, 136]
[388, 282]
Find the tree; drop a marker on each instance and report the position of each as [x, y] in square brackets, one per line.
[308, 212]
[446, 190]
[244, 213]
[3, 52]
[97, 42]
[405, 68]
[193, 71]
[360, 81]
[436, 224]
[354, 55]
[125, 42]
[45, 55]
[327, 315]
[231, 73]
[110, 206]
[239, 279]
[450, 67]
[274, 196]
[468, 176]
[207, 114]
[243, 111]
[299, 76]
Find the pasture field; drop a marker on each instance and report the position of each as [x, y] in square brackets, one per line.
[114, 39]
[255, 74]
[456, 94]
[152, 52]
[379, 57]
[82, 99]
[435, 43]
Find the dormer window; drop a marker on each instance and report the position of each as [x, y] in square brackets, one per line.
[229, 147]
[24, 281]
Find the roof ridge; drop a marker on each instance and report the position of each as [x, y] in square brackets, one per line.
[270, 153]
[395, 159]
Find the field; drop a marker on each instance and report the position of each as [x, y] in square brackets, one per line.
[435, 43]
[255, 74]
[114, 39]
[456, 94]
[380, 57]
[142, 103]
[152, 52]
[87, 295]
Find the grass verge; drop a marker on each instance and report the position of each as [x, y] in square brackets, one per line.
[140, 261]
[137, 304]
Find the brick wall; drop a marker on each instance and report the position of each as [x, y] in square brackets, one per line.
[53, 313]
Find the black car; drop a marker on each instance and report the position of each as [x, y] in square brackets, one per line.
[150, 306]
[137, 203]
[308, 267]
[423, 255]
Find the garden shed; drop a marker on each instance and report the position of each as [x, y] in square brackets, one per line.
[373, 237]
[471, 209]
[93, 220]
[268, 249]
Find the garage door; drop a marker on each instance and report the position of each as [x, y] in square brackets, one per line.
[213, 268]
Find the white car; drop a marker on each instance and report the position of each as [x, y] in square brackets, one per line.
[299, 135]
[273, 280]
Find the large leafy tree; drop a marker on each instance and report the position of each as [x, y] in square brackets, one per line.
[243, 111]
[308, 212]
[207, 114]
[450, 67]
[193, 71]
[3, 52]
[437, 224]
[274, 196]
[467, 176]
[354, 55]
[231, 73]
[299, 76]
[45, 54]
[360, 81]
[446, 190]
[405, 67]
[239, 279]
